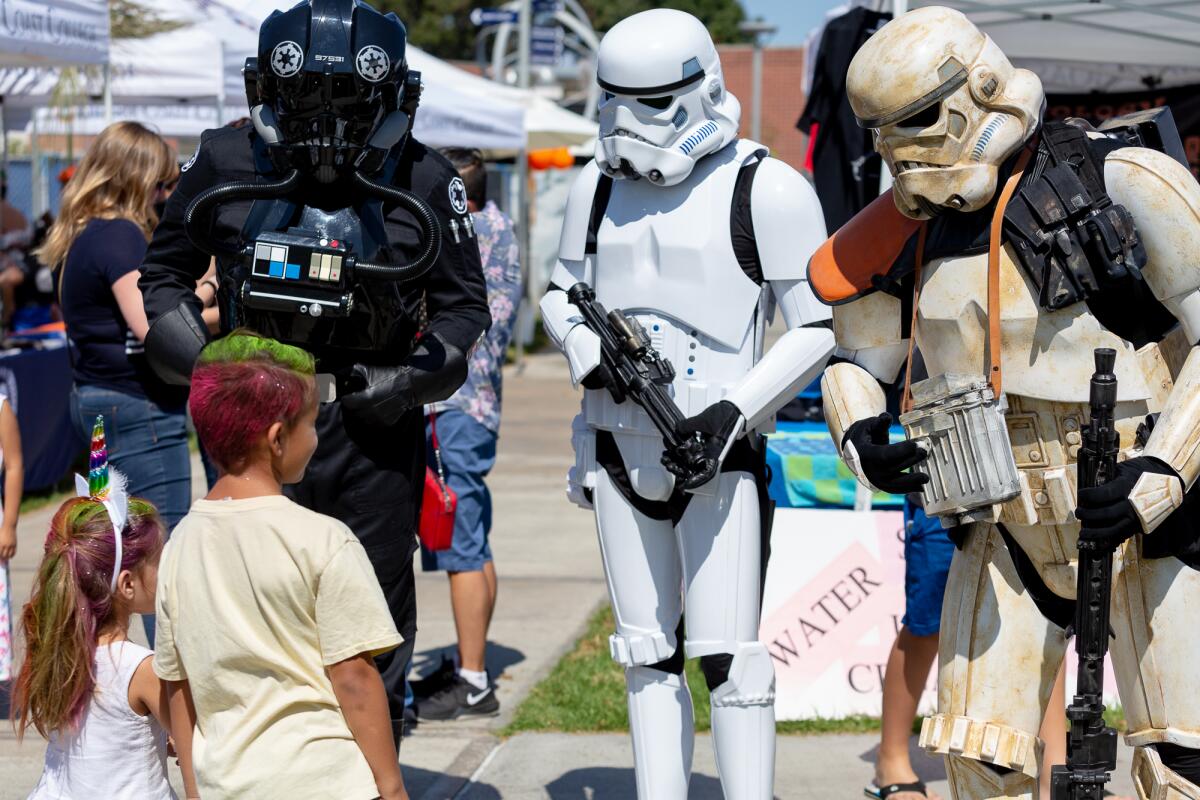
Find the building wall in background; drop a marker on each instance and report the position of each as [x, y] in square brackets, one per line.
[783, 100]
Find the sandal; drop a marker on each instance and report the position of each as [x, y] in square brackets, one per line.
[883, 792]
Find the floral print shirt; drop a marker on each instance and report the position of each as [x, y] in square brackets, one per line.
[498, 251]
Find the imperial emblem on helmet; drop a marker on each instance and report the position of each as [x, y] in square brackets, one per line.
[287, 59]
[373, 63]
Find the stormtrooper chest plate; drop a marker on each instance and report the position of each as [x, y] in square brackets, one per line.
[1045, 355]
[668, 251]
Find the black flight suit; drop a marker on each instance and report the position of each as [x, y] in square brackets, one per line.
[369, 477]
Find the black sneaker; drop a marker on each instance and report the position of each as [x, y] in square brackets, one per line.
[435, 681]
[459, 699]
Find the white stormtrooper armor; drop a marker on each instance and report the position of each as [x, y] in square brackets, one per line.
[1001, 642]
[657, 242]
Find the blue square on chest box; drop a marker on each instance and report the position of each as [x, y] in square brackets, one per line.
[292, 272]
[276, 269]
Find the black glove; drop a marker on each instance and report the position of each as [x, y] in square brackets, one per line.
[378, 395]
[715, 425]
[883, 464]
[382, 395]
[602, 378]
[1105, 512]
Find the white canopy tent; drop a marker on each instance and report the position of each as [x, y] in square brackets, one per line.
[53, 32]
[1103, 45]
[200, 67]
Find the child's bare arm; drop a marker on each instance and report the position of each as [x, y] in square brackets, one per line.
[183, 721]
[148, 694]
[360, 693]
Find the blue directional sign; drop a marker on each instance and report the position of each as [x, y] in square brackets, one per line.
[493, 16]
[546, 44]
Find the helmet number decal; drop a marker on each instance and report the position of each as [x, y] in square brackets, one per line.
[287, 59]
[373, 63]
[458, 196]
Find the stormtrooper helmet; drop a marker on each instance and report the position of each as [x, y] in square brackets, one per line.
[946, 106]
[663, 103]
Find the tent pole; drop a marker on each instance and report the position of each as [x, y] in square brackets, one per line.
[35, 159]
[899, 7]
[221, 87]
[3, 137]
[108, 103]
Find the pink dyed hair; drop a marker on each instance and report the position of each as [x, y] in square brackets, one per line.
[241, 386]
[72, 601]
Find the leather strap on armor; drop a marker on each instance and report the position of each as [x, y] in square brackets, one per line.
[995, 246]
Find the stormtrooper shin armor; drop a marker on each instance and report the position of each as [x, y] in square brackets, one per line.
[657, 242]
[1003, 637]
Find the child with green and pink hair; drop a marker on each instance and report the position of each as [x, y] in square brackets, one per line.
[269, 614]
[84, 685]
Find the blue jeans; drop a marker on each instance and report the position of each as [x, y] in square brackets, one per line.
[148, 444]
[468, 455]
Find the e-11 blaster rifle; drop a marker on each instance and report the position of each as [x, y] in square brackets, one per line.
[639, 372]
[1092, 745]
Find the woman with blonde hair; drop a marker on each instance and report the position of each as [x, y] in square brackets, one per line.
[96, 245]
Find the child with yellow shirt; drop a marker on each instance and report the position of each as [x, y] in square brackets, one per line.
[268, 613]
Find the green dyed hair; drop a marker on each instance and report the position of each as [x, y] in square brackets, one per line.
[244, 345]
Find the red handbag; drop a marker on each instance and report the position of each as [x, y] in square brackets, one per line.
[439, 502]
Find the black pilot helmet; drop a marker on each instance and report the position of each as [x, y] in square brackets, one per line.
[330, 91]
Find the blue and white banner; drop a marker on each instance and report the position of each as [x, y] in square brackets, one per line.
[53, 32]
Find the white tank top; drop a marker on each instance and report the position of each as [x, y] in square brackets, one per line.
[117, 754]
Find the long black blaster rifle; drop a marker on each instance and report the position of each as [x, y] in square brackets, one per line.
[639, 372]
[1092, 745]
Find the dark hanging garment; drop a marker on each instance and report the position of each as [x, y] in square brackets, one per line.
[845, 165]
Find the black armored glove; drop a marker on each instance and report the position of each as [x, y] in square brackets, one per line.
[382, 395]
[174, 342]
[602, 378]
[1106, 513]
[881, 463]
[716, 425]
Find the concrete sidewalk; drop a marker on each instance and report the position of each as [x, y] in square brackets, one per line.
[555, 766]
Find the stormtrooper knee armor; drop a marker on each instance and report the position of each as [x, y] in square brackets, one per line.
[956, 122]
[700, 237]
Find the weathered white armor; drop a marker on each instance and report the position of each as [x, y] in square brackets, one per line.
[999, 652]
[663, 253]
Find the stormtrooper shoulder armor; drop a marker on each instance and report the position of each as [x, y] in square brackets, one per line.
[577, 217]
[1164, 200]
[788, 223]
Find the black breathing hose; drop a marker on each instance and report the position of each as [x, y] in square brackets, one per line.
[201, 209]
[429, 227]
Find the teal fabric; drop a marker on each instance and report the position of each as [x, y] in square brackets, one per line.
[808, 472]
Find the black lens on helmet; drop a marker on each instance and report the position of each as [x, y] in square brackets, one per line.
[925, 118]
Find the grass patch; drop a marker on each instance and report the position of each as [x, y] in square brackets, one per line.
[50, 496]
[585, 692]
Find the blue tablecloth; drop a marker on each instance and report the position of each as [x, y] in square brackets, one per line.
[38, 383]
[807, 472]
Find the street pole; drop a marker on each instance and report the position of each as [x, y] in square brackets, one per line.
[524, 35]
[757, 29]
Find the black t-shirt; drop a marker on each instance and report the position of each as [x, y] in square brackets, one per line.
[104, 350]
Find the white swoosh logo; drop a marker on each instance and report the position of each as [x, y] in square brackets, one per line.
[472, 699]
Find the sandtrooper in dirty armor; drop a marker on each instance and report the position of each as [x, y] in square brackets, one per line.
[1007, 251]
